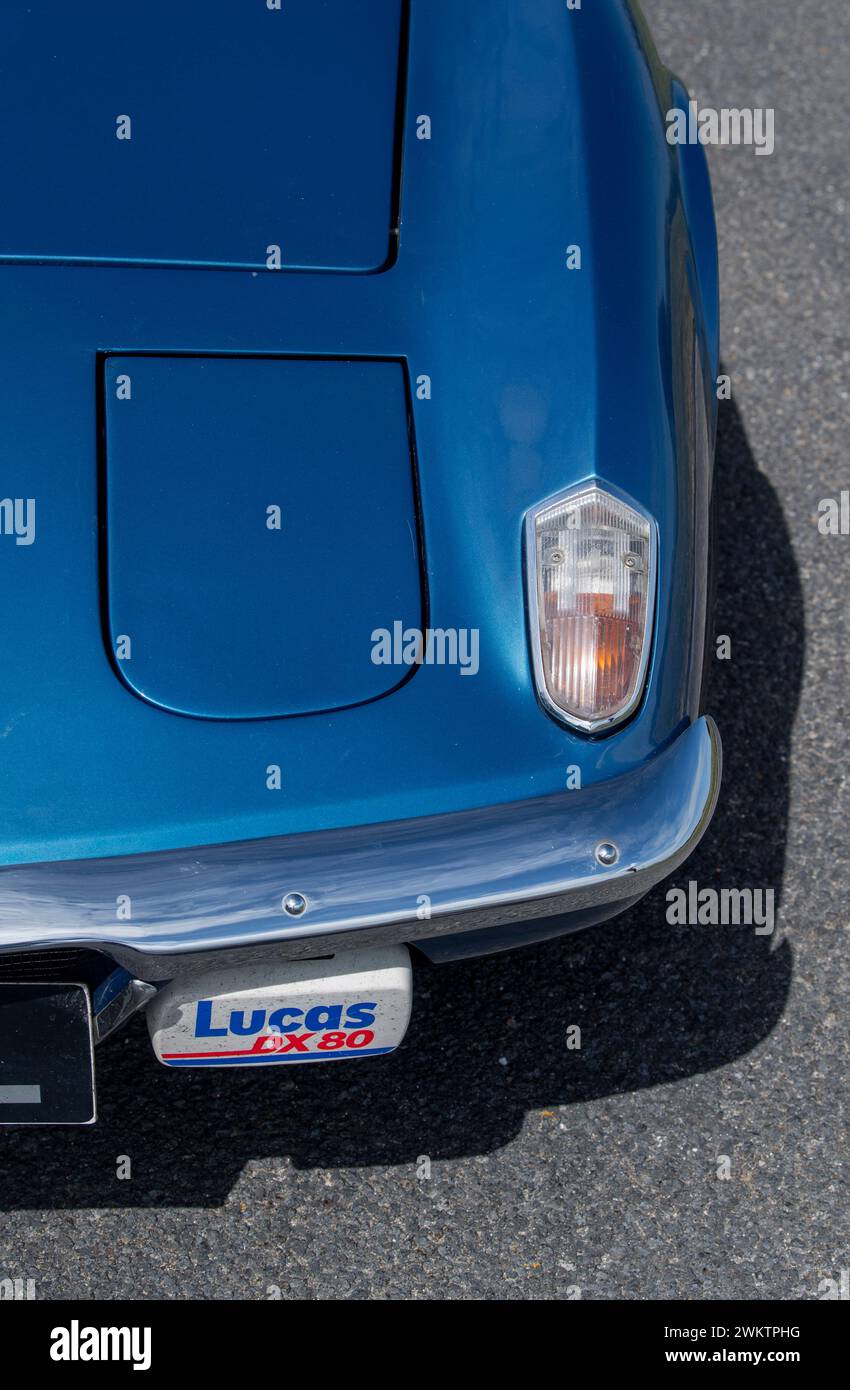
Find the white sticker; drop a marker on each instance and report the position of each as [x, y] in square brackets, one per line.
[359, 1006]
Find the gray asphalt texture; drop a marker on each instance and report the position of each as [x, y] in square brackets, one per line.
[552, 1170]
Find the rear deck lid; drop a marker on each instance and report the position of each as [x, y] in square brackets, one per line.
[193, 133]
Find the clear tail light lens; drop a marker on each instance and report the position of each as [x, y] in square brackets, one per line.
[591, 560]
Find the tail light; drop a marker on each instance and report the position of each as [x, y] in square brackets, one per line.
[591, 562]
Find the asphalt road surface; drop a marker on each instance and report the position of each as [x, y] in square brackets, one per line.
[555, 1171]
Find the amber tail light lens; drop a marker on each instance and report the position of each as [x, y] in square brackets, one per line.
[591, 561]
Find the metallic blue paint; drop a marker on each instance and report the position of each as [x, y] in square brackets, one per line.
[233, 143]
[424, 877]
[547, 130]
[229, 617]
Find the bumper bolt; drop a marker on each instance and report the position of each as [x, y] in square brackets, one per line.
[295, 904]
[607, 853]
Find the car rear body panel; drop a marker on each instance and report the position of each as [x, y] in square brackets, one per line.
[545, 132]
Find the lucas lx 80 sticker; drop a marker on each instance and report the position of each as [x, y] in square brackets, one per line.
[359, 1006]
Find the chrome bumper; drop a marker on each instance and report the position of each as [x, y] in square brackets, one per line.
[401, 881]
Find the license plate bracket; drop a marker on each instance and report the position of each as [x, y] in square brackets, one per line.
[46, 1054]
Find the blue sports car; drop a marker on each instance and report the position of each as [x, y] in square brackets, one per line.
[357, 381]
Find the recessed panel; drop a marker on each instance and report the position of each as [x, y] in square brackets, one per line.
[260, 526]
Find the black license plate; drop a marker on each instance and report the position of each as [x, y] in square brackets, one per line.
[46, 1055]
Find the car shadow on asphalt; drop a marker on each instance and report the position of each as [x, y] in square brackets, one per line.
[655, 1003]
